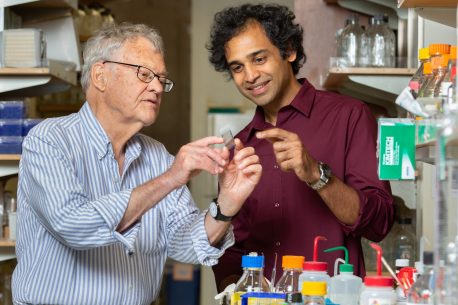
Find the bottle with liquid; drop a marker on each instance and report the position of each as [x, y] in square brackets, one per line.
[422, 290]
[449, 78]
[313, 293]
[405, 241]
[252, 279]
[345, 287]
[350, 42]
[315, 271]
[439, 60]
[418, 78]
[292, 269]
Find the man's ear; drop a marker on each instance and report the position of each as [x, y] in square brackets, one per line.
[98, 78]
[291, 55]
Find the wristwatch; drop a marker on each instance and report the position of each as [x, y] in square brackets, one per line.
[325, 176]
[215, 212]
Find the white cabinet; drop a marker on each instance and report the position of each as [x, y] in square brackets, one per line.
[54, 17]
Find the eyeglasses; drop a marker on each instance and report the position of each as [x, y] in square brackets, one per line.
[146, 75]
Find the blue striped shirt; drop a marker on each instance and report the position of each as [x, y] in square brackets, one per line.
[71, 198]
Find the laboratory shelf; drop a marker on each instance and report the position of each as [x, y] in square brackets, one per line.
[427, 3]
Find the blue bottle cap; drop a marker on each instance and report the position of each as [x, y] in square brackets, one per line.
[250, 261]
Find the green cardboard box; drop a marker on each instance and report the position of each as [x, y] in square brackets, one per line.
[396, 149]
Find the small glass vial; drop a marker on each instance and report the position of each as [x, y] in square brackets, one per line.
[313, 293]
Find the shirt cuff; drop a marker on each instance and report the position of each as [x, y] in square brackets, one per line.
[206, 253]
[112, 208]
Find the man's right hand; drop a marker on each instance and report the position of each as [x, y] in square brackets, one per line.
[198, 156]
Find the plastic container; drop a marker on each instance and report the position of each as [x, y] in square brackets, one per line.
[345, 287]
[10, 127]
[10, 145]
[292, 269]
[417, 79]
[313, 293]
[12, 110]
[378, 289]
[315, 271]
[252, 279]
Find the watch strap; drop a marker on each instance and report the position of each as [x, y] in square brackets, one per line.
[219, 215]
[325, 176]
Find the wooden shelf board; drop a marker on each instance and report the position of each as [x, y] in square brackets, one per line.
[427, 3]
[8, 157]
[42, 3]
[7, 243]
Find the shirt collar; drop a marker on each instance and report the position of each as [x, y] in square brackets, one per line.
[98, 137]
[302, 102]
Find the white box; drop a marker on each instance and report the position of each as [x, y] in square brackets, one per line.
[23, 48]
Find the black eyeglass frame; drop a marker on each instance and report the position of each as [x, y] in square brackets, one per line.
[167, 84]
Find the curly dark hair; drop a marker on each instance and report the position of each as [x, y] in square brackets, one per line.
[277, 21]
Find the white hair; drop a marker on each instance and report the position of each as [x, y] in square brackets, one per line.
[109, 39]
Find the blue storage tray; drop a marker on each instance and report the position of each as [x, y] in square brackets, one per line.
[12, 110]
[28, 124]
[10, 127]
[10, 145]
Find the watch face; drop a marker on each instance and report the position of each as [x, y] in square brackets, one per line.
[213, 209]
[326, 170]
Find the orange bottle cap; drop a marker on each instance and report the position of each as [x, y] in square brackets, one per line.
[444, 60]
[291, 261]
[452, 52]
[439, 48]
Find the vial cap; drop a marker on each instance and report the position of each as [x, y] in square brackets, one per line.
[249, 261]
[444, 60]
[439, 48]
[315, 266]
[427, 68]
[423, 53]
[453, 52]
[292, 262]
[346, 268]
[378, 281]
[314, 288]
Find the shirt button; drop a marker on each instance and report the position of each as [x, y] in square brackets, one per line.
[277, 244]
[277, 204]
[275, 166]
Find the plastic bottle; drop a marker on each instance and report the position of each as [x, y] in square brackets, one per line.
[292, 269]
[313, 293]
[252, 279]
[315, 271]
[344, 288]
[350, 42]
[422, 290]
[405, 241]
[449, 78]
[378, 289]
[417, 79]
[437, 52]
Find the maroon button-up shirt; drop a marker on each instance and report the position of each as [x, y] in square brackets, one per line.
[283, 215]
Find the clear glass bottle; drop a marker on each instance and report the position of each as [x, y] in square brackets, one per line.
[417, 79]
[313, 293]
[252, 279]
[292, 269]
[422, 290]
[350, 42]
[404, 242]
[382, 41]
